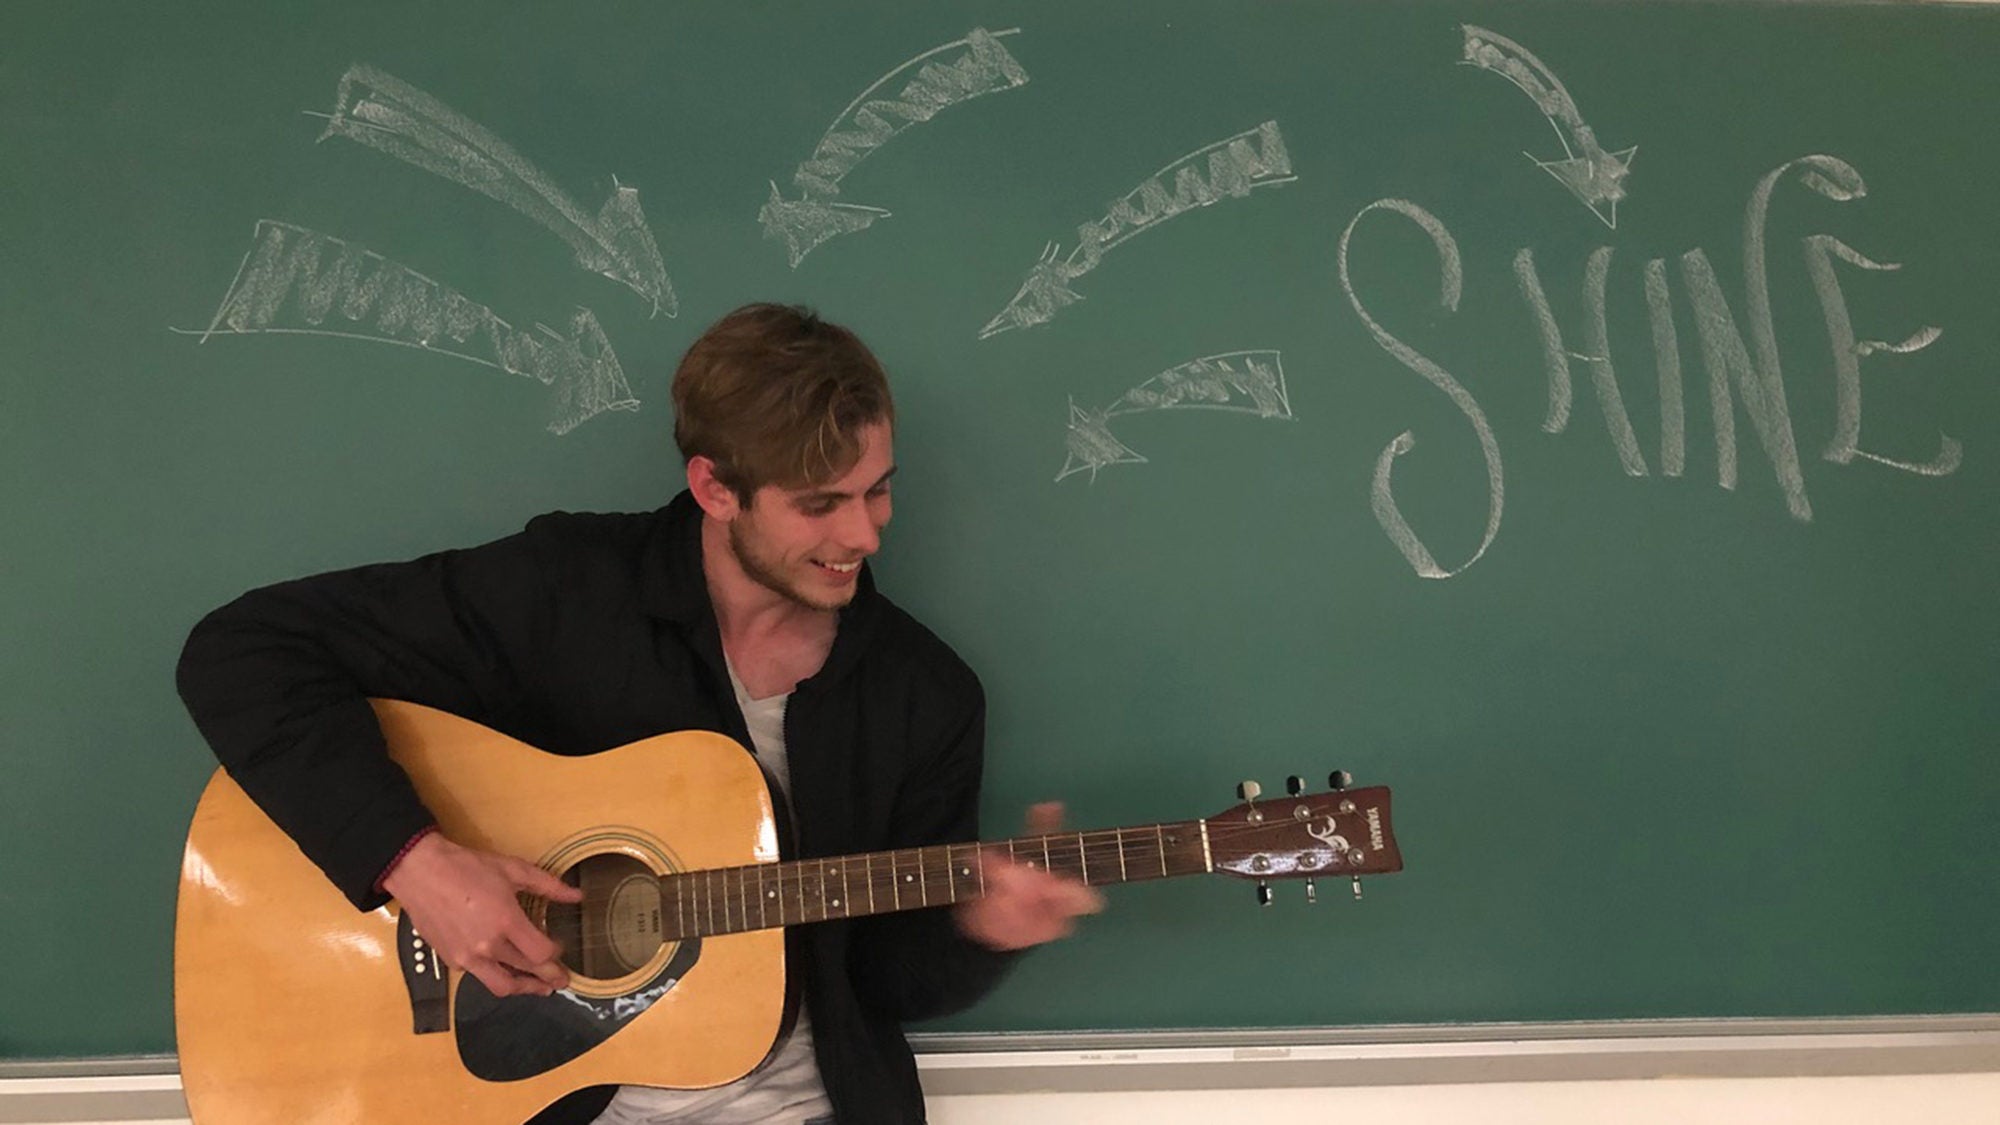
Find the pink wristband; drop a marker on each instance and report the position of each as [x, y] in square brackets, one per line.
[405, 850]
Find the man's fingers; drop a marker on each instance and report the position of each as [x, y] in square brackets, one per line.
[1079, 899]
[1045, 816]
[536, 881]
[529, 972]
[504, 980]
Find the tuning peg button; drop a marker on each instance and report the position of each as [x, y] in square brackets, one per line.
[1249, 790]
[1312, 893]
[1263, 893]
[1338, 780]
[1295, 785]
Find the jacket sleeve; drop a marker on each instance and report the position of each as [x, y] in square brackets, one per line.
[278, 682]
[917, 965]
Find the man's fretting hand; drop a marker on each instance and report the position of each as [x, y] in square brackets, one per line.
[463, 903]
[1024, 905]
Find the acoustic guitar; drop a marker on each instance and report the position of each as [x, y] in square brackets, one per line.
[292, 1007]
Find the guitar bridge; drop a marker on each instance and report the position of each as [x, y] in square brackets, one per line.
[425, 978]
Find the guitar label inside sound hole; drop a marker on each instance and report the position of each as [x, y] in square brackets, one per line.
[616, 929]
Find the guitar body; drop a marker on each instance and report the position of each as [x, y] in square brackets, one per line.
[292, 1007]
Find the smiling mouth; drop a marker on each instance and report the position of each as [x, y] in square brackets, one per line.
[842, 569]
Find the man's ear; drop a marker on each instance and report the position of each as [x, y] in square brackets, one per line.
[718, 501]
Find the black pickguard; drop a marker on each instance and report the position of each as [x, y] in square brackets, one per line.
[507, 1039]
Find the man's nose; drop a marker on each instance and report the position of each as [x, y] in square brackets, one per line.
[858, 530]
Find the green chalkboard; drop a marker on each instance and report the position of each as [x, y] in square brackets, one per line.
[1509, 403]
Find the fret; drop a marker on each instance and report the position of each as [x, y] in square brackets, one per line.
[1119, 835]
[737, 899]
[1083, 857]
[967, 869]
[1046, 865]
[1105, 845]
[949, 871]
[895, 882]
[1158, 835]
[763, 895]
[743, 895]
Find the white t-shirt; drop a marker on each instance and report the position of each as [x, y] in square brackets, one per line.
[787, 1090]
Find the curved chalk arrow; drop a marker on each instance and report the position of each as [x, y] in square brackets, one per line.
[1590, 173]
[869, 122]
[390, 115]
[1246, 382]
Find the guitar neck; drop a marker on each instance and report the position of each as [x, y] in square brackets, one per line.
[729, 900]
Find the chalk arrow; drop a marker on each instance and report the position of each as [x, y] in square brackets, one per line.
[1245, 382]
[1593, 175]
[390, 115]
[296, 281]
[1228, 169]
[941, 77]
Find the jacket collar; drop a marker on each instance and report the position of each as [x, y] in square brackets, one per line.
[673, 587]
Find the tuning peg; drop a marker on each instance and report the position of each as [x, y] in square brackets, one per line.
[1295, 785]
[1263, 893]
[1339, 780]
[1249, 790]
[1312, 894]
[1357, 888]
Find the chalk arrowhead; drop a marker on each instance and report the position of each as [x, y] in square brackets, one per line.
[588, 379]
[626, 253]
[1091, 446]
[1046, 290]
[806, 223]
[1598, 181]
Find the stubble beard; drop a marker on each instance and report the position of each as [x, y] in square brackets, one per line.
[768, 574]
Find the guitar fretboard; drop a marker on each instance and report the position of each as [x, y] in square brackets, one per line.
[729, 900]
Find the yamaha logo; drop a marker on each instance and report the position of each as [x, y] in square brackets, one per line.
[1375, 829]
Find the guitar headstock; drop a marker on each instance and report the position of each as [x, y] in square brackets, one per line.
[1346, 832]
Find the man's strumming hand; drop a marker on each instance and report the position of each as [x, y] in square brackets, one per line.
[464, 904]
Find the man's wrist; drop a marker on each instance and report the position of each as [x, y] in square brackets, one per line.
[382, 880]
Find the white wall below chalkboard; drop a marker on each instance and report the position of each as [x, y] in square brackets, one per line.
[1756, 1072]
[1945, 1099]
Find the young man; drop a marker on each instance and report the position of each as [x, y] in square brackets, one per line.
[744, 606]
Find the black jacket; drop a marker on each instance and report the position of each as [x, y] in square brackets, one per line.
[586, 632]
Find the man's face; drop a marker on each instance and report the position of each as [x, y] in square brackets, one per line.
[807, 544]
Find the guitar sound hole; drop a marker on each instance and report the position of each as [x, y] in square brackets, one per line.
[615, 930]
